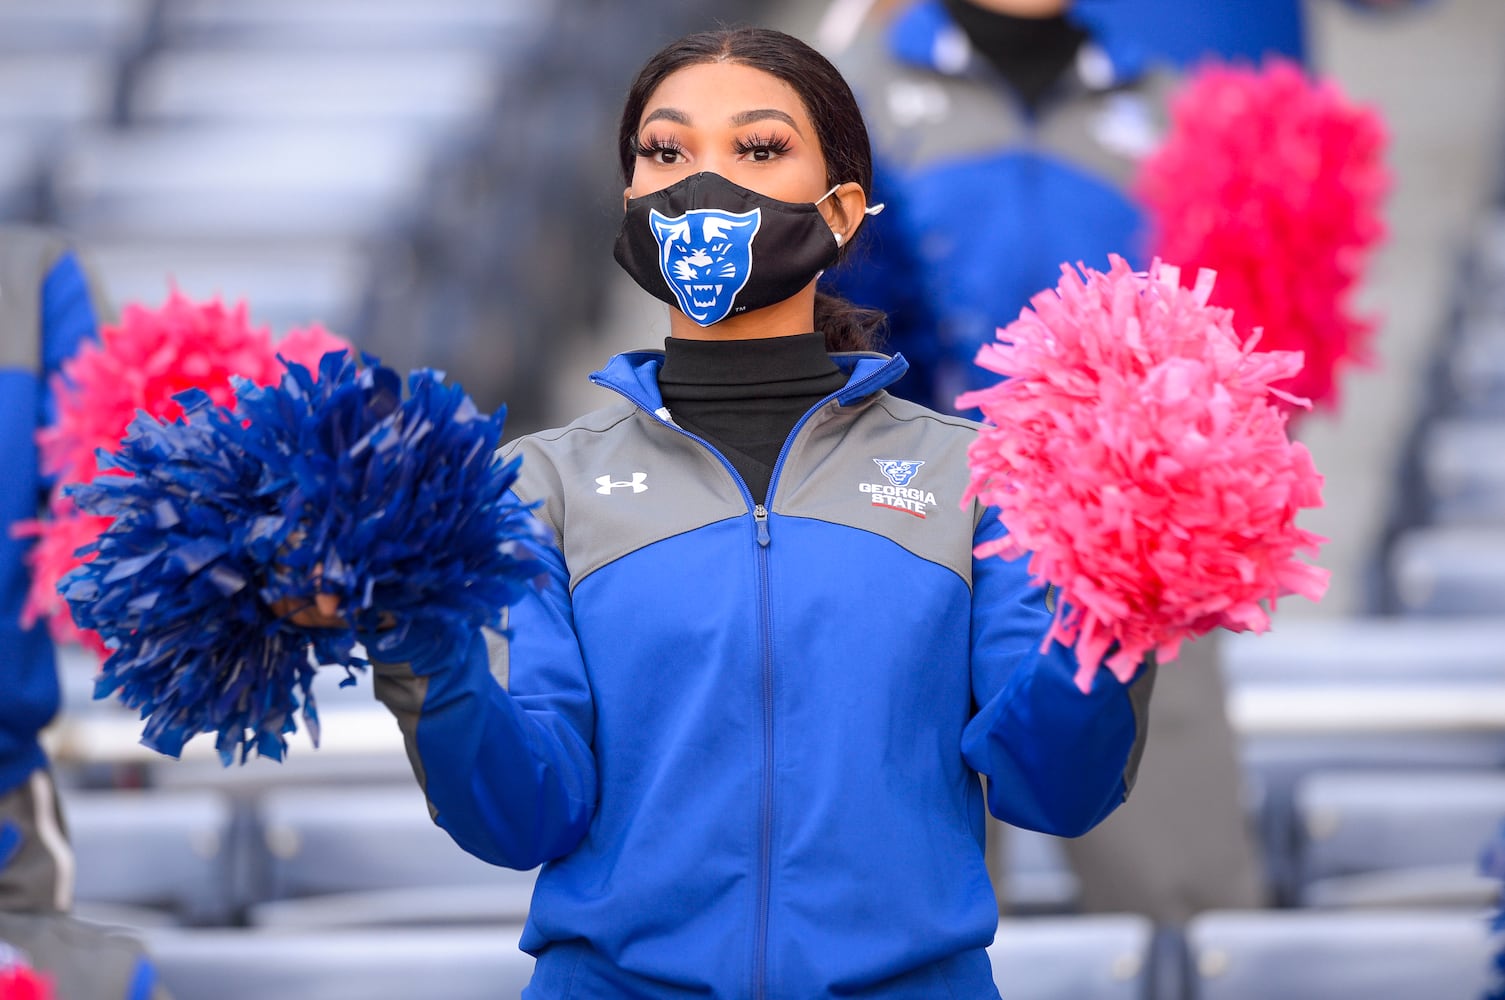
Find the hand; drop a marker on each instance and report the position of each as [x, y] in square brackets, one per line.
[322, 612]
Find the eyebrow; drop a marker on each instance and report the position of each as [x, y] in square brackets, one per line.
[763, 114]
[668, 114]
[737, 120]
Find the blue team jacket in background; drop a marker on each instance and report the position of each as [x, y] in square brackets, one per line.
[1187, 32]
[45, 313]
[744, 740]
[984, 199]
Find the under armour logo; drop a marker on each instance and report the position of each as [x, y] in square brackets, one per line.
[638, 484]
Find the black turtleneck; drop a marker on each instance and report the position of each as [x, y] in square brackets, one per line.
[1030, 52]
[745, 396]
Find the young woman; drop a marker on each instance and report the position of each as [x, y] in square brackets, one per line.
[742, 724]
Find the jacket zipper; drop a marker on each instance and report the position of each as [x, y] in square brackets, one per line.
[765, 812]
[765, 636]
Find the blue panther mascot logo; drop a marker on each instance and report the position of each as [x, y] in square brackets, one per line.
[706, 257]
[898, 471]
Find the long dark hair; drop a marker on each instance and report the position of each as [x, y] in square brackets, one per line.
[839, 129]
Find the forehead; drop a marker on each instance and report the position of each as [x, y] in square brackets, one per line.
[710, 93]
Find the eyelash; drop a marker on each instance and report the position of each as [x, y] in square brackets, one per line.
[653, 145]
[777, 145]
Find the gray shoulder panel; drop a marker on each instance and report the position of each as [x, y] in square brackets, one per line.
[82, 959]
[1140, 689]
[402, 692]
[893, 468]
[27, 254]
[618, 480]
[920, 118]
[1108, 133]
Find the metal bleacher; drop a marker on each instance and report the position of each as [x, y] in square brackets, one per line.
[180, 846]
[478, 963]
[1376, 838]
[288, 154]
[1390, 955]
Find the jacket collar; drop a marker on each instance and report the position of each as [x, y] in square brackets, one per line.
[635, 375]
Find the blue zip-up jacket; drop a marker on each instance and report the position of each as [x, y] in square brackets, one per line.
[984, 200]
[745, 740]
[46, 311]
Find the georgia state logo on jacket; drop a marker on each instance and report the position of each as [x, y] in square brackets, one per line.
[897, 494]
[706, 257]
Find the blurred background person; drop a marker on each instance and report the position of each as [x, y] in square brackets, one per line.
[1007, 134]
[49, 305]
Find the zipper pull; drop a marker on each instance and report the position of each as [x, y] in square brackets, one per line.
[760, 518]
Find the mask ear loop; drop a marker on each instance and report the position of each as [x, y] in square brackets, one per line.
[869, 211]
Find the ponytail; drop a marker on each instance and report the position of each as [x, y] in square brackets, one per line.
[848, 327]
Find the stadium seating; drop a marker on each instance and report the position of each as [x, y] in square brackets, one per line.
[1477, 373]
[55, 89]
[1395, 955]
[321, 841]
[231, 183]
[1375, 838]
[1361, 694]
[1037, 877]
[72, 25]
[416, 906]
[1277, 764]
[1368, 650]
[167, 851]
[468, 964]
[1071, 958]
[392, 25]
[430, 88]
[21, 158]
[285, 283]
[1464, 465]
[1450, 570]
[359, 163]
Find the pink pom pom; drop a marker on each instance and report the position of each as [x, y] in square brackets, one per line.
[152, 355]
[140, 365]
[1274, 182]
[306, 345]
[20, 983]
[1136, 453]
[51, 558]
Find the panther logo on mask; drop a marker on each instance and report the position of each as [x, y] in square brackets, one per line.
[706, 257]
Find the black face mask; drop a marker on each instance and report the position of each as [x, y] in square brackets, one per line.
[715, 249]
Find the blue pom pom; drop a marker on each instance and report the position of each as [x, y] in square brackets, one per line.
[336, 485]
[402, 509]
[172, 589]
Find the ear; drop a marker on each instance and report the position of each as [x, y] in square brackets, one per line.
[844, 210]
